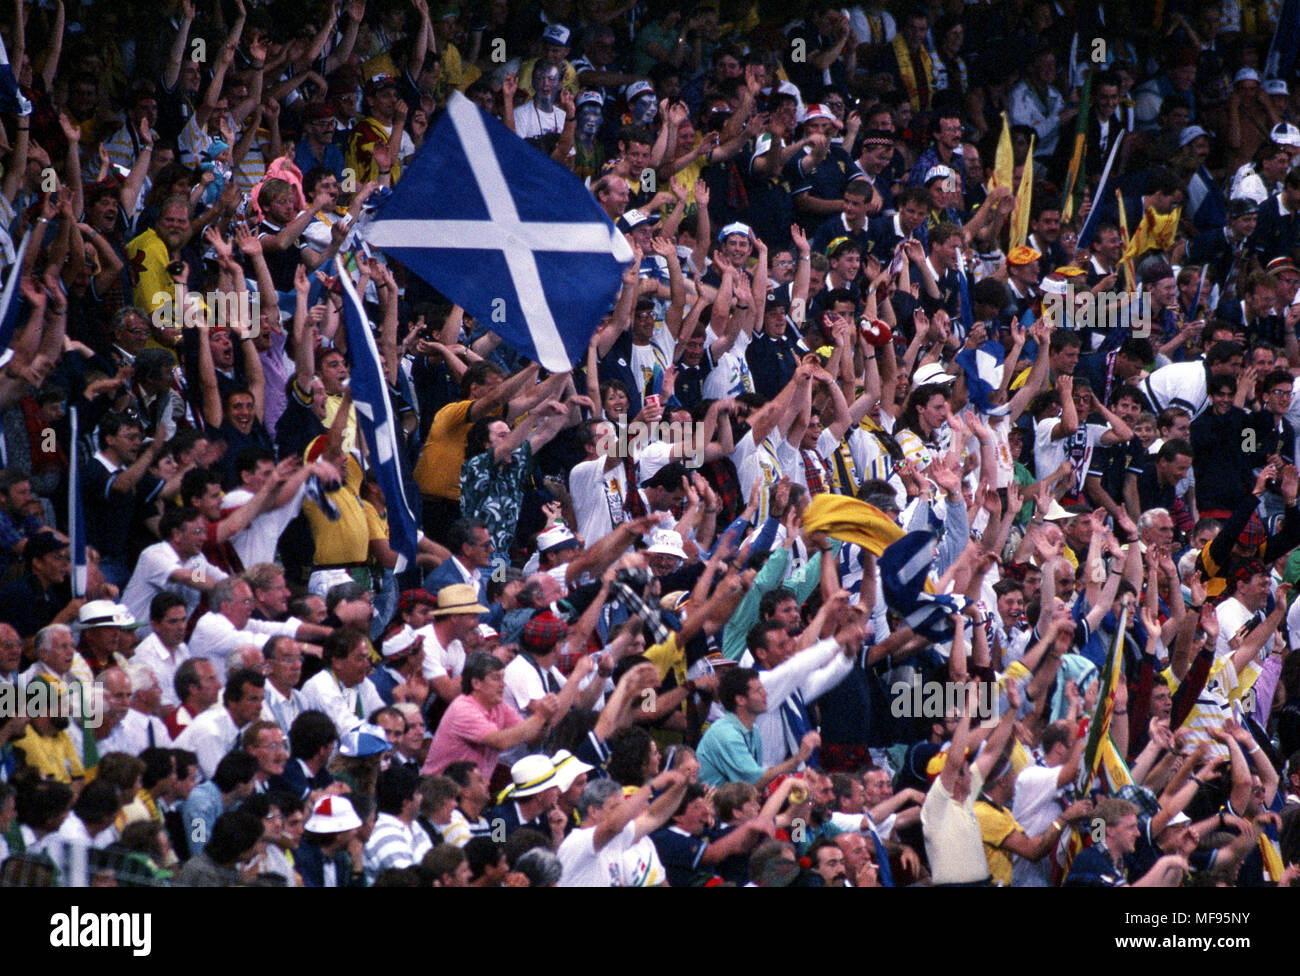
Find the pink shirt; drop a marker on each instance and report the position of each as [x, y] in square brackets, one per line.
[460, 735]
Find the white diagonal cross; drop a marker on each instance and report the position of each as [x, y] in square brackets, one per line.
[503, 231]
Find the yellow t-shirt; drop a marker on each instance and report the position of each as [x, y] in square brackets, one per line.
[347, 539]
[54, 757]
[437, 472]
[148, 256]
[996, 825]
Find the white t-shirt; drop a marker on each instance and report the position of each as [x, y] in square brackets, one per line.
[156, 563]
[1037, 803]
[730, 374]
[624, 862]
[440, 661]
[1233, 616]
[1179, 385]
[757, 464]
[1078, 448]
[256, 544]
[598, 498]
[531, 121]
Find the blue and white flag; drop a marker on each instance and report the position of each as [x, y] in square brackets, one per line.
[983, 367]
[1205, 202]
[963, 292]
[1280, 62]
[76, 520]
[11, 98]
[378, 424]
[505, 232]
[1100, 198]
[10, 306]
[904, 567]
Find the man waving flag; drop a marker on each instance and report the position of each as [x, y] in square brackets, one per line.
[506, 233]
[378, 424]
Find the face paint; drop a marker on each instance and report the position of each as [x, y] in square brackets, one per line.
[645, 108]
[589, 119]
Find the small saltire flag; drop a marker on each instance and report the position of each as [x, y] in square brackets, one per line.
[9, 304]
[76, 520]
[904, 568]
[11, 98]
[983, 368]
[963, 293]
[1205, 201]
[1094, 215]
[378, 425]
[506, 233]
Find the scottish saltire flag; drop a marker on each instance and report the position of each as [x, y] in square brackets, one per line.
[963, 293]
[10, 306]
[904, 567]
[11, 99]
[1099, 197]
[507, 233]
[983, 368]
[1205, 202]
[76, 521]
[1286, 40]
[378, 424]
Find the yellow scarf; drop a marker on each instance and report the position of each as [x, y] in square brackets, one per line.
[908, 73]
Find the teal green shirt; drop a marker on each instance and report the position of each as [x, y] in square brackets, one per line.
[729, 753]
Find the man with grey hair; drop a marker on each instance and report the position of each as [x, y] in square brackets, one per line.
[612, 848]
[56, 657]
[230, 624]
[1156, 527]
[137, 729]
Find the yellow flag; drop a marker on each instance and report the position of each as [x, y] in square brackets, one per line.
[1154, 232]
[1004, 166]
[1272, 858]
[1126, 262]
[1024, 199]
[850, 520]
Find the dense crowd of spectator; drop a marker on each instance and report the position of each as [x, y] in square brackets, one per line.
[646, 637]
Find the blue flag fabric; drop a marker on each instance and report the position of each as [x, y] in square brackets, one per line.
[1101, 198]
[378, 424]
[983, 368]
[903, 570]
[1280, 62]
[76, 520]
[1205, 202]
[11, 98]
[508, 234]
[10, 305]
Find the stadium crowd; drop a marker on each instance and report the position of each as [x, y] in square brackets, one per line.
[1018, 279]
